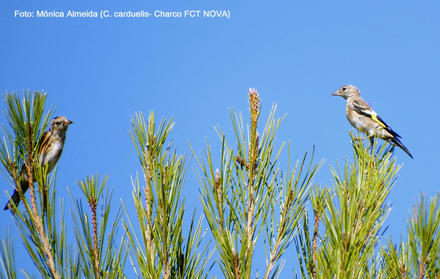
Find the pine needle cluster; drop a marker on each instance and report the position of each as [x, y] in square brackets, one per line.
[253, 203]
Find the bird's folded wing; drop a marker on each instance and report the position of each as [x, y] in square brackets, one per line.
[361, 107]
[43, 145]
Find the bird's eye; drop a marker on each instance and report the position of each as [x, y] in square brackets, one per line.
[344, 88]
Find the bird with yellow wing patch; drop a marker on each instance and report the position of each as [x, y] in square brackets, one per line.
[365, 119]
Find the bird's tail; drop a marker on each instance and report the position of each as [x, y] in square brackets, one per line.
[16, 197]
[397, 142]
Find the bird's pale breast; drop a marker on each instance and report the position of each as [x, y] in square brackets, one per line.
[366, 125]
[360, 122]
[52, 154]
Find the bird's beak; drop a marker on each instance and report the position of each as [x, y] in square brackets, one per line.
[336, 93]
[69, 122]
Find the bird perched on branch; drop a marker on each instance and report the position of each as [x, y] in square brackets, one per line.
[50, 148]
[365, 119]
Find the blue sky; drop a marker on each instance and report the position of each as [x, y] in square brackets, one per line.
[295, 53]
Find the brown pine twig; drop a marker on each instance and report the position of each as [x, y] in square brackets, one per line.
[36, 219]
[95, 239]
[236, 265]
[148, 209]
[218, 190]
[403, 272]
[315, 240]
[422, 270]
[254, 108]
